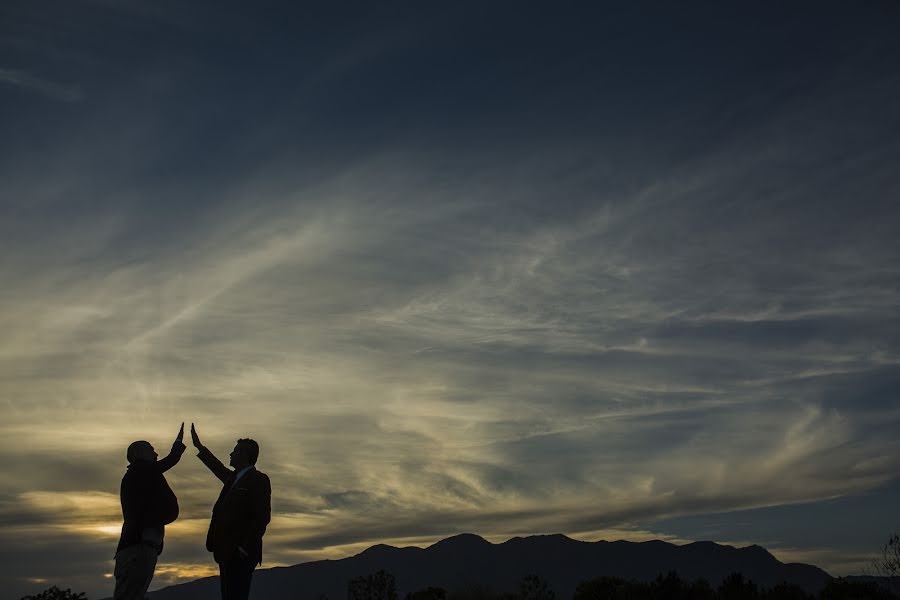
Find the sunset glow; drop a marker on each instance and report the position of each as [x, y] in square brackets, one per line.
[619, 271]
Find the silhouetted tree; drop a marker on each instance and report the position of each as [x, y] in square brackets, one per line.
[377, 586]
[429, 593]
[533, 587]
[603, 588]
[701, 590]
[471, 591]
[888, 564]
[785, 591]
[843, 589]
[54, 593]
[735, 587]
[672, 587]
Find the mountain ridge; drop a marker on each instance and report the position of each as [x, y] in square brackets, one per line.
[467, 560]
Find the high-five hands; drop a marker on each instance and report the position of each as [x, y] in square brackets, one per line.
[195, 438]
[178, 445]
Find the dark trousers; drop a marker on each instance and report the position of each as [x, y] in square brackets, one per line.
[235, 575]
[134, 571]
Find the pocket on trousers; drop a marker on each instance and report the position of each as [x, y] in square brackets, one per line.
[242, 561]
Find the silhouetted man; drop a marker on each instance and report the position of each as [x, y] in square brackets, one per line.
[239, 517]
[148, 505]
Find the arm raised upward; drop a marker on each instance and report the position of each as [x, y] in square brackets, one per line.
[174, 455]
[209, 459]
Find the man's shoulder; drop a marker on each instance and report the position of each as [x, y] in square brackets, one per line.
[143, 471]
[139, 480]
[259, 476]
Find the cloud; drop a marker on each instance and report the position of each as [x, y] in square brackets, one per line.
[50, 89]
[560, 378]
[548, 330]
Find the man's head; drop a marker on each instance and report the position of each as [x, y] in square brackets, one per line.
[245, 453]
[141, 451]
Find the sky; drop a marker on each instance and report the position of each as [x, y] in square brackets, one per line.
[619, 270]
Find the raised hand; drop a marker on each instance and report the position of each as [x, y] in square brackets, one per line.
[195, 438]
[178, 444]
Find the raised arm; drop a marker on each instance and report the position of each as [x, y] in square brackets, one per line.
[209, 459]
[174, 456]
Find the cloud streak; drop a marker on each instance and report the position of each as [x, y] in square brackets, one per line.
[31, 83]
[568, 326]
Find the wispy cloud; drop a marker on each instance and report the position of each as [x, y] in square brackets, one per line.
[31, 83]
[556, 379]
[438, 316]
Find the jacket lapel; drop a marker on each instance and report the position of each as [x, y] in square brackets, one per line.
[225, 489]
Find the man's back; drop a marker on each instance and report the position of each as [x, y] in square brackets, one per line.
[148, 504]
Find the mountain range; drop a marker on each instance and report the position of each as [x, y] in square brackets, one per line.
[469, 562]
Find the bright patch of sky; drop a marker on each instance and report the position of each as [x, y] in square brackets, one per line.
[627, 270]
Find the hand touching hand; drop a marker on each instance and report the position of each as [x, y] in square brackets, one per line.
[178, 445]
[195, 438]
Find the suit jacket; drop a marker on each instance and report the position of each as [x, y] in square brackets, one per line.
[147, 500]
[240, 514]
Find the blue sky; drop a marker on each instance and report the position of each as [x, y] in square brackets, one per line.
[623, 270]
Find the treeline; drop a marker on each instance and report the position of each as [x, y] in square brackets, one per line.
[55, 593]
[381, 586]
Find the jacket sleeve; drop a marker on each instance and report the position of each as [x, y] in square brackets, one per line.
[260, 511]
[214, 464]
[172, 459]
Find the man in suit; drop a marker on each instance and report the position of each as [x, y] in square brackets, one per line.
[239, 517]
[148, 505]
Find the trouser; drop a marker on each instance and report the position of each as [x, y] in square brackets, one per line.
[134, 571]
[235, 575]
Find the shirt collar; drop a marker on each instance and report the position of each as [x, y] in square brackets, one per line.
[240, 473]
